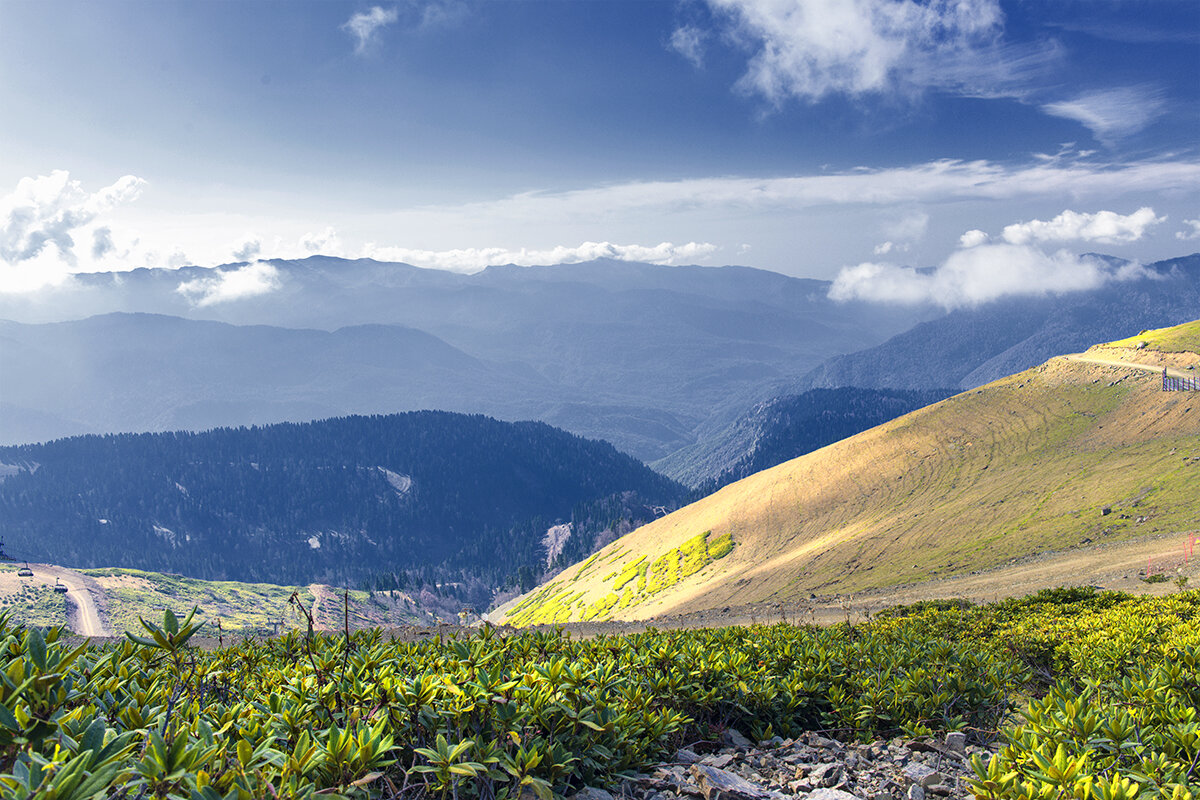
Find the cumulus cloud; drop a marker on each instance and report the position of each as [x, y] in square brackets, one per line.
[978, 275]
[475, 259]
[225, 285]
[45, 211]
[972, 238]
[884, 248]
[688, 41]
[365, 25]
[1192, 231]
[1111, 114]
[1105, 227]
[249, 248]
[807, 49]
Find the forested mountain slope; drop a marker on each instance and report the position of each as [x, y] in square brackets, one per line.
[380, 501]
[786, 427]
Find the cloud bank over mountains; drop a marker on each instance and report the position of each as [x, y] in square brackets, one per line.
[51, 226]
[982, 270]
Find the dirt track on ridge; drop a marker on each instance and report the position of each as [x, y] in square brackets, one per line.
[85, 617]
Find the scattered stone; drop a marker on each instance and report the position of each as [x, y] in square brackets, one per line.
[812, 767]
[717, 784]
[831, 794]
[591, 793]
[825, 775]
[734, 738]
[922, 775]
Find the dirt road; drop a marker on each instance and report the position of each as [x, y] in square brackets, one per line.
[86, 618]
[1116, 362]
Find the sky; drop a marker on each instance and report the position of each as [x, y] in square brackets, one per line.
[996, 141]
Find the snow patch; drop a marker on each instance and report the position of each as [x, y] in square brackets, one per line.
[167, 534]
[9, 470]
[400, 482]
[555, 539]
[102, 521]
[181, 487]
[314, 542]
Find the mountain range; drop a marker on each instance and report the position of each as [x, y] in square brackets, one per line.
[639, 355]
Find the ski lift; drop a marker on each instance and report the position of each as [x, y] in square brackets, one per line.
[60, 588]
[25, 571]
[4, 556]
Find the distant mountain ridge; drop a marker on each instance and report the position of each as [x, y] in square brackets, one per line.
[972, 346]
[425, 496]
[639, 355]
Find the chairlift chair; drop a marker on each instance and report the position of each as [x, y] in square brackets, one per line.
[25, 571]
[61, 588]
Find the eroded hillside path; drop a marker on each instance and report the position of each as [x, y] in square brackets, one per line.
[1116, 362]
[87, 620]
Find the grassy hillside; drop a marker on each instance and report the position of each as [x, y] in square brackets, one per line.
[1178, 339]
[123, 595]
[1068, 454]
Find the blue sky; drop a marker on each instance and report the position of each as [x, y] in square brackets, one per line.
[811, 137]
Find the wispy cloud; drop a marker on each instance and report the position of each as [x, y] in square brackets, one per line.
[688, 41]
[807, 49]
[365, 25]
[934, 181]
[474, 259]
[1192, 231]
[980, 274]
[1105, 227]
[1112, 114]
[235, 284]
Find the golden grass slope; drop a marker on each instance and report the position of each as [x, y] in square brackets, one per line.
[1026, 464]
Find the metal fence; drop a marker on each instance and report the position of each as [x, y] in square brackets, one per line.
[1180, 384]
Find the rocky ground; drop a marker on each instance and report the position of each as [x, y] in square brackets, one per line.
[811, 767]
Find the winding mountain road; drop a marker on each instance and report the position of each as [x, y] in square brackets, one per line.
[87, 616]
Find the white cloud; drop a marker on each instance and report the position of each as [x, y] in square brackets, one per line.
[248, 248]
[44, 211]
[934, 181]
[326, 242]
[474, 259]
[1194, 233]
[364, 26]
[884, 248]
[972, 238]
[1111, 114]
[808, 49]
[688, 41]
[234, 284]
[978, 275]
[1106, 227]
